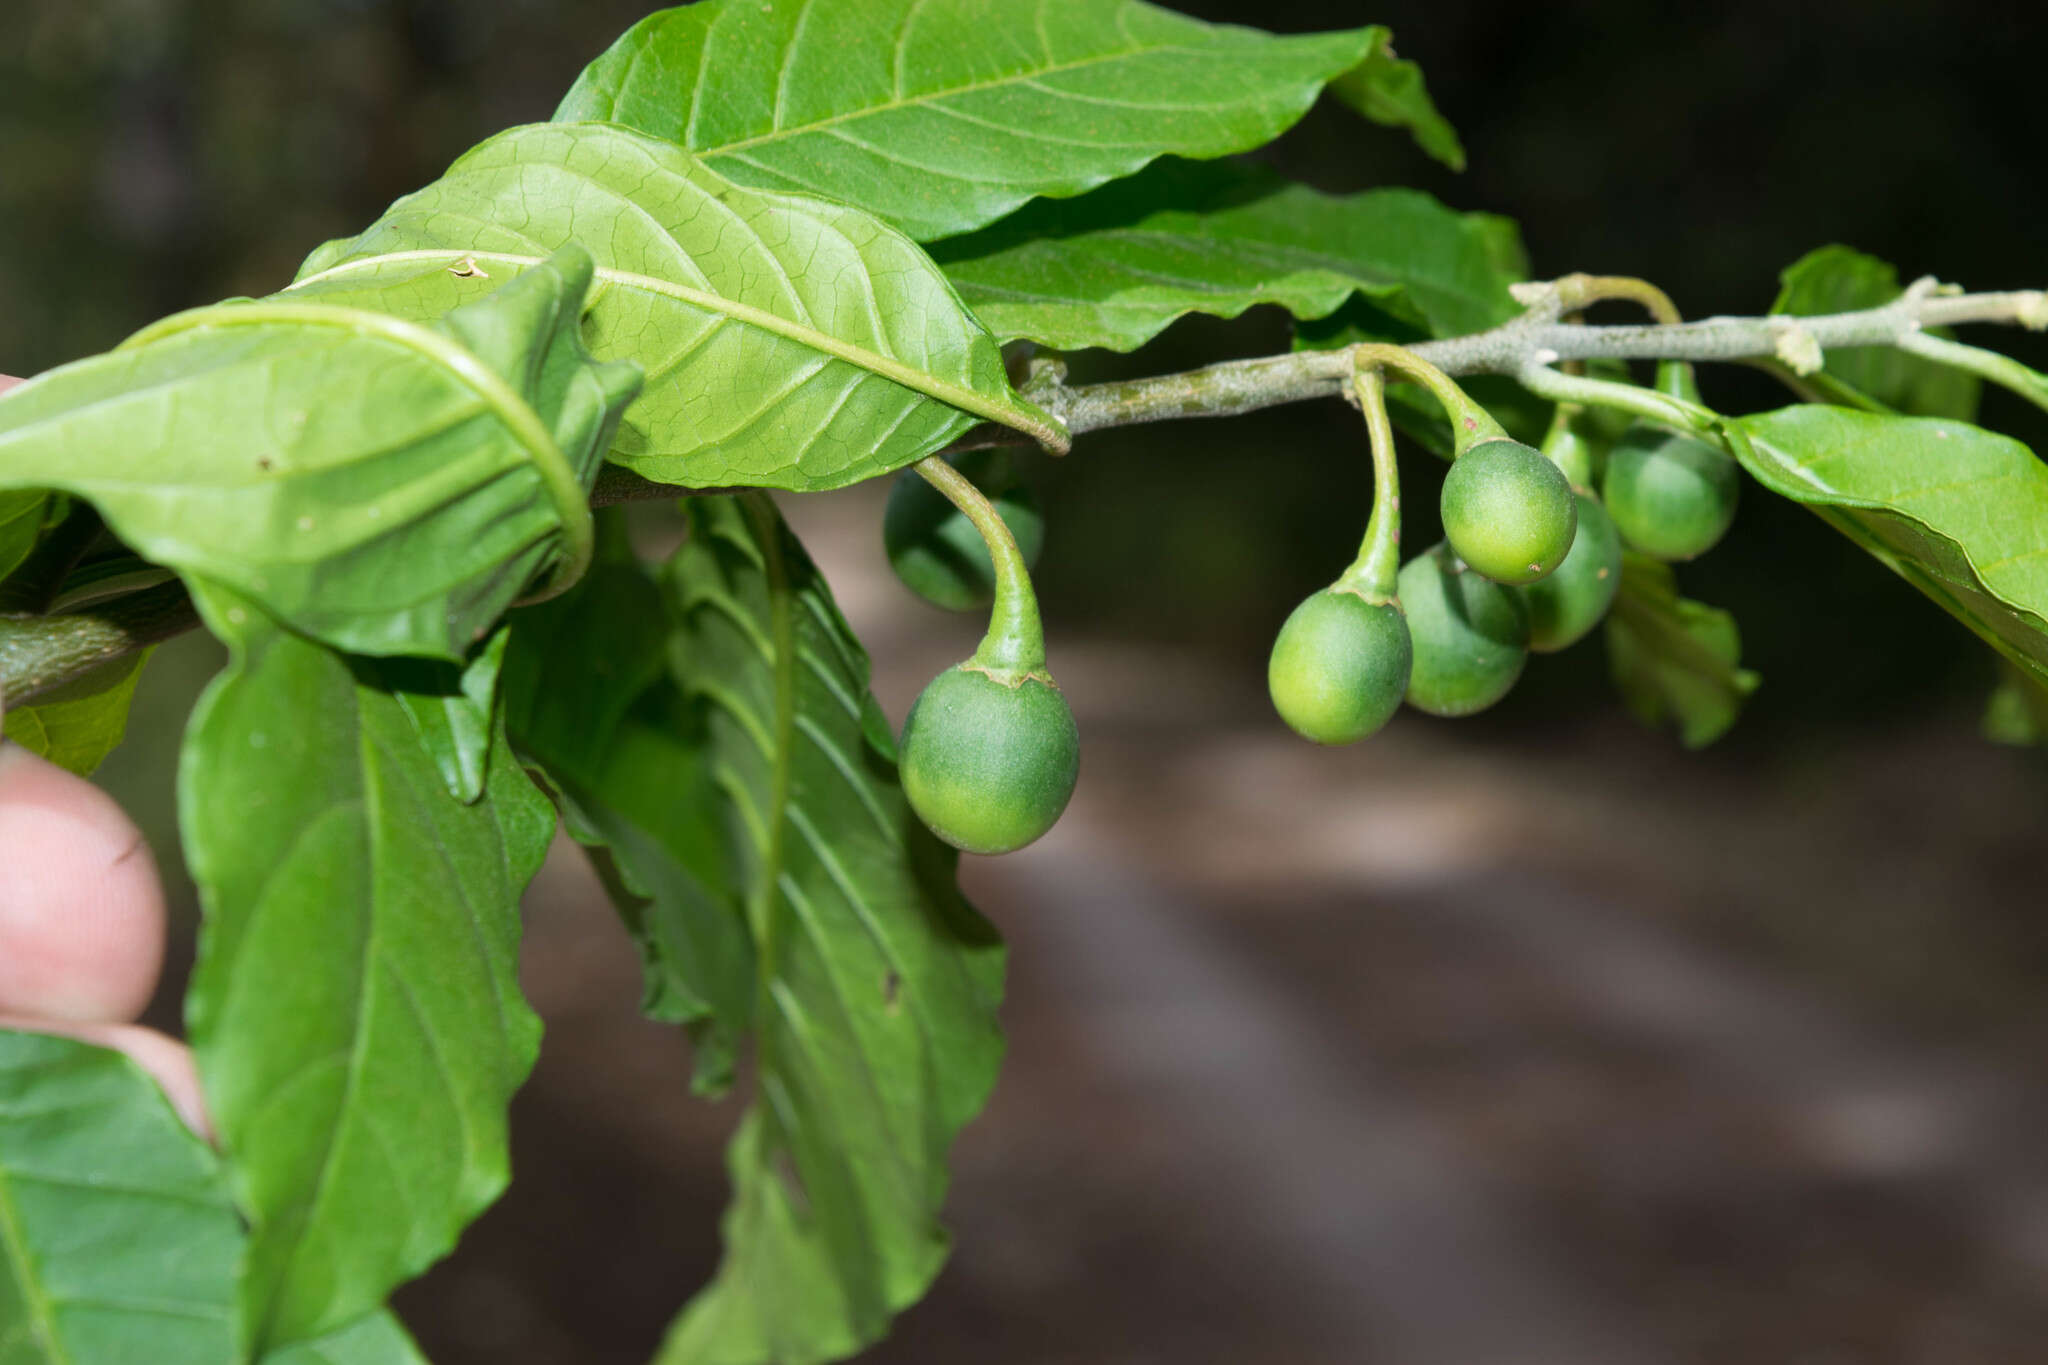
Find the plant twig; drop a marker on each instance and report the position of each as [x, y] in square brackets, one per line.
[39, 653]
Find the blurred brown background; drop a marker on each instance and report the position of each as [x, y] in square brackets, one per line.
[1521, 1040]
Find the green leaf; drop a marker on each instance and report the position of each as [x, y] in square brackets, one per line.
[452, 710]
[118, 1241]
[79, 724]
[355, 1009]
[378, 1339]
[588, 700]
[1959, 512]
[788, 342]
[386, 487]
[21, 521]
[877, 985]
[1390, 91]
[1115, 267]
[1675, 661]
[2017, 710]
[1838, 279]
[941, 116]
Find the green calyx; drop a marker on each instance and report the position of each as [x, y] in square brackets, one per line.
[937, 551]
[1470, 635]
[1508, 511]
[988, 763]
[1340, 666]
[1671, 494]
[1575, 597]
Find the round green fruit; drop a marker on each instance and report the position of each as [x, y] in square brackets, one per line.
[1576, 596]
[1339, 666]
[989, 766]
[1671, 495]
[1508, 511]
[935, 549]
[1470, 634]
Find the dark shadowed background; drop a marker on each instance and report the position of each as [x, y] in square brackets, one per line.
[1518, 1040]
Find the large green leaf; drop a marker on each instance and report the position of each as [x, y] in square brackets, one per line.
[385, 486]
[943, 115]
[788, 342]
[1675, 661]
[77, 725]
[355, 1010]
[588, 699]
[876, 988]
[118, 1240]
[1114, 267]
[1839, 279]
[378, 1339]
[1959, 512]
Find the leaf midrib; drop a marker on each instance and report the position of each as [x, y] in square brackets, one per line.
[1007, 414]
[43, 1318]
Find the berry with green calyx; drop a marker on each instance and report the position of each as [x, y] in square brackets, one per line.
[1470, 635]
[1672, 494]
[1575, 597]
[1340, 664]
[935, 549]
[1507, 511]
[989, 758]
[990, 751]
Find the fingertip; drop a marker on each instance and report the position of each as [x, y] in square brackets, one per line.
[81, 906]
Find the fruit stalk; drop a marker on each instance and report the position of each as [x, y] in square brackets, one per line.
[1379, 555]
[1015, 643]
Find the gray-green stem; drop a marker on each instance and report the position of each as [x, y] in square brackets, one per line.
[1014, 647]
[1373, 573]
[43, 652]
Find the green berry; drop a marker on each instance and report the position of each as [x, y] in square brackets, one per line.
[987, 765]
[935, 549]
[1671, 495]
[1471, 635]
[1508, 512]
[1576, 596]
[1339, 666]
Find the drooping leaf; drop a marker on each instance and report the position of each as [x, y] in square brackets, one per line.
[79, 724]
[588, 700]
[378, 1339]
[787, 341]
[1391, 91]
[118, 1239]
[877, 985]
[1959, 512]
[941, 116]
[1114, 267]
[380, 485]
[1675, 661]
[355, 1010]
[1839, 279]
[2017, 710]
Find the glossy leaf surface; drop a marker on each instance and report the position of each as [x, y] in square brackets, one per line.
[1839, 279]
[1113, 268]
[118, 1240]
[788, 342]
[877, 985]
[1959, 512]
[1675, 662]
[943, 115]
[355, 1009]
[386, 487]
